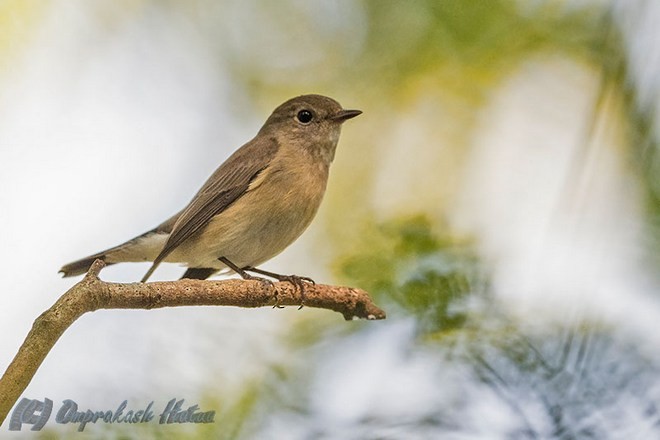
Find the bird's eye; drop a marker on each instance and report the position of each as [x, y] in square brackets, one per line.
[304, 116]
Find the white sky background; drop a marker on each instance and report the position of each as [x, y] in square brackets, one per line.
[103, 134]
[561, 224]
[106, 129]
[108, 126]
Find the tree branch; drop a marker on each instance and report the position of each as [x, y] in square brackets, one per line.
[92, 294]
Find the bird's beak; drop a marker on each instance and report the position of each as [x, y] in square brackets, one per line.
[344, 115]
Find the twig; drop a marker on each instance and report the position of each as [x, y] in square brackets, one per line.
[92, 294]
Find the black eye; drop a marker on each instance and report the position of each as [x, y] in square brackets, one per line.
[305, 116]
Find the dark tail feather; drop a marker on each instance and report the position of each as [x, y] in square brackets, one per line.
[81, 266]
[198, 273]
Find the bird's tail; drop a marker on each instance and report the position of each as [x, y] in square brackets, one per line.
[142, 248]
[81, 266]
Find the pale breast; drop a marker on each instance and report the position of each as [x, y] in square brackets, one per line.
[279, 205]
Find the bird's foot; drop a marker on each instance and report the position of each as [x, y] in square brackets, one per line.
[298, 282]
[267, 284]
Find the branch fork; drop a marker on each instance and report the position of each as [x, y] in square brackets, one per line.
[92, 293]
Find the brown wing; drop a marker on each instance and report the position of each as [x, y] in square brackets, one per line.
[227, 184]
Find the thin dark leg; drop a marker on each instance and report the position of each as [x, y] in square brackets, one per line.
[247, 276]
[297, 281]
[238, 270]
[278, 276]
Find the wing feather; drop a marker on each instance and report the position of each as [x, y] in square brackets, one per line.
[226, 185]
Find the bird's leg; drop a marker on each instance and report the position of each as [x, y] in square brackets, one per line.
[297, 281]
[246, 276]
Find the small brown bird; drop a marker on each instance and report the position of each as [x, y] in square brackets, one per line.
[253, 206]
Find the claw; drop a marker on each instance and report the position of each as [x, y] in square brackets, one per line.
[277, 301]
[266, 284]
[298, 282]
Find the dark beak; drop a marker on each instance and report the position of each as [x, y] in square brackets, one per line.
[344, 115]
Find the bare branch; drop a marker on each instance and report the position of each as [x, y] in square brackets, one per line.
[92, 294]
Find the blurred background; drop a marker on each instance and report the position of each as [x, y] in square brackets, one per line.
[499, 197]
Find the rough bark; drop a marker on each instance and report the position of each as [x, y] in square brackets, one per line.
[92, 294]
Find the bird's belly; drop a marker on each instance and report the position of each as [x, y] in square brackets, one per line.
[251, 231]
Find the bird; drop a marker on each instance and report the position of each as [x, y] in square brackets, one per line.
[255, 204]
